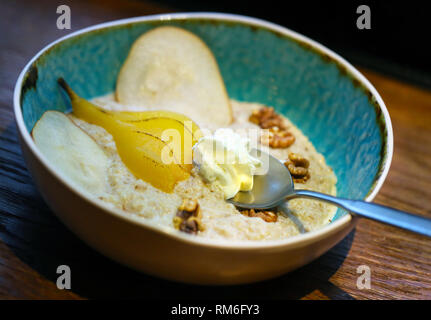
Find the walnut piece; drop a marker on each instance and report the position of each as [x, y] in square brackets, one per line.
[299, 160]
[265, 215]
[298, 167]
[188, 217]
[278, 136]
[189, 205]
[266, 118]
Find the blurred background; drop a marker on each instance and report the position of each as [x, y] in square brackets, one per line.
[397, 43]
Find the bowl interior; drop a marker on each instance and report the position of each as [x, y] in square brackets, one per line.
[316, 92]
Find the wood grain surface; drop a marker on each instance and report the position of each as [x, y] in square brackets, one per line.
[33, 242]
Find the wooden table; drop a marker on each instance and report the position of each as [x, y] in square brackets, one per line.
[33, 242]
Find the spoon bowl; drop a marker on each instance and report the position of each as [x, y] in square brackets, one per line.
[272, 183]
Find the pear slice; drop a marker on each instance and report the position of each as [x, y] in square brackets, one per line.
[172, 69]
[171, 130]
[75, 155]
[139, 119]
[150, 159]
[141, 145]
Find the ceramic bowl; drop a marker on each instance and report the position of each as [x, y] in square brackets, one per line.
[325, 96]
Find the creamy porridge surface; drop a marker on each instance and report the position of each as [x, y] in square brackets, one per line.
[219, 218]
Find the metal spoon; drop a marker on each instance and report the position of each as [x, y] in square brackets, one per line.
[274, 188]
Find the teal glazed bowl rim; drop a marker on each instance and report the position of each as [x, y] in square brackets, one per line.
[357, 78]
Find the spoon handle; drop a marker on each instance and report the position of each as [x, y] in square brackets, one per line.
[373, 211]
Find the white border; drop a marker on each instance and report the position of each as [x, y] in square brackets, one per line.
[250, 245]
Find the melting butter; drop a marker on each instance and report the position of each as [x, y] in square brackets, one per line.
[224, 158]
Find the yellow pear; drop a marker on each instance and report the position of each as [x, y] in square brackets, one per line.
[145, 141]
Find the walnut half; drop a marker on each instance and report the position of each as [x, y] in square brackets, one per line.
[276, 138]
[277, 135]
[298, 167]
[265, 215]
[188, 217]
[266, 118]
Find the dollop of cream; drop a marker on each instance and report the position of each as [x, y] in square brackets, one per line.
[224, 158]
